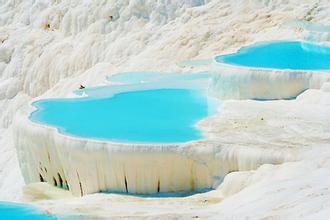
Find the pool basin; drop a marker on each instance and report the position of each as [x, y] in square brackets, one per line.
[272, 70]
[134, 137]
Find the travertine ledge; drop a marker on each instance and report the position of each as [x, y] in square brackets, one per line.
[238, 82]
[87, 166]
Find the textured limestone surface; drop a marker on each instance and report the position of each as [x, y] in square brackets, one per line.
[49, 48]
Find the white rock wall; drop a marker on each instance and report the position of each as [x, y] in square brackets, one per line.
[235, 82]
[87, 166]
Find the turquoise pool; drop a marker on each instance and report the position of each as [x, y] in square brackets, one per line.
[145, 116]
[15, 211]
[155, 77]
[294, 55]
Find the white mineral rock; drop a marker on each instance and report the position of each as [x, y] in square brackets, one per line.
[236, 82]
[49, 48]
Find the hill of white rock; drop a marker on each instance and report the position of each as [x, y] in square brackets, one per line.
[49, 48]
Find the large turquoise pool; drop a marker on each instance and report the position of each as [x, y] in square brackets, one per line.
[147, 116]
[293, 55]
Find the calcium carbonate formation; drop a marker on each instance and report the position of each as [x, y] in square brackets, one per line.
[49, 46]
[87, 166]
[236, 82]
[273, 70]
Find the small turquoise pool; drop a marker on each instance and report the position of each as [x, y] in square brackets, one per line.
[14, 211]
[145, 116]
[293, 55]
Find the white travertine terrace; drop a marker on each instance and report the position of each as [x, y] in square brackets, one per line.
[82, 45]
[238, 82]
[88, 166]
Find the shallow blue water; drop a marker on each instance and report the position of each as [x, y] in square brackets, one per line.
[13, 211]
[293, 55]
[133, 77]
[149, 116]
[151, 77]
